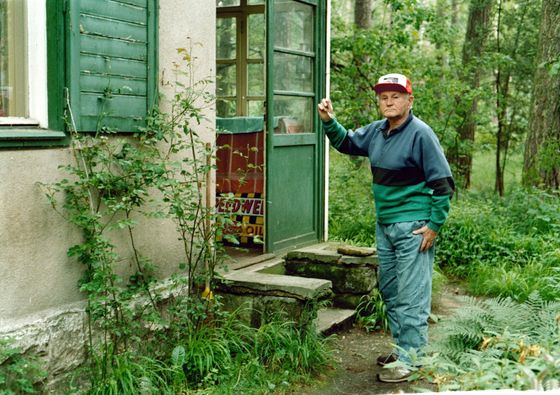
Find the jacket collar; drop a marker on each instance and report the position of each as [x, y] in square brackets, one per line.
[385, 126]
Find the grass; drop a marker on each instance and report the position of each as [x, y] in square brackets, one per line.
[484, 171]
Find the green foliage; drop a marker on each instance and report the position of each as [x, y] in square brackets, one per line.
[496, 344]
[351, 210]
[505, 247]
[19, 373]
[371, 312]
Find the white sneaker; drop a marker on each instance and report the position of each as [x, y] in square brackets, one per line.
[394, 375]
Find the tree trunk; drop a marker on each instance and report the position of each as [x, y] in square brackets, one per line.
[542, 150]
[362, 13]
[478, 28]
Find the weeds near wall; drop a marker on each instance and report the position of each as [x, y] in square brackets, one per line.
[19, 374]
[114, 183]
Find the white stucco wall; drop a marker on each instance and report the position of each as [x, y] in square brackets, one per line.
[35, 273]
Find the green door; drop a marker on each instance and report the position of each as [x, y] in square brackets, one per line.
[295, 67]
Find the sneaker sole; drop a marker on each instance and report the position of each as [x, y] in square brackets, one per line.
[387, 380]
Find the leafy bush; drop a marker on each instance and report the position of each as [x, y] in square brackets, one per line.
[19, 374]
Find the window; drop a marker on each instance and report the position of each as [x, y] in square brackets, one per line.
[24, 110]
[12, 60]
[240, 47]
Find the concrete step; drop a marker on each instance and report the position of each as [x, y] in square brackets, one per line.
[332, 319]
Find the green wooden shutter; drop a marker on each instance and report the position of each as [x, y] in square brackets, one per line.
[111, 55]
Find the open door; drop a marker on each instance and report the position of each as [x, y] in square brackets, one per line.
[295, 73]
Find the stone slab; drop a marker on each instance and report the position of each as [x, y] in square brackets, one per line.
[370, 260]
[355, 251]
[319, 255]
[242, 282]
[330, 319]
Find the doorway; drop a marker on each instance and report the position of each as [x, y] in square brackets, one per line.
[270, 66]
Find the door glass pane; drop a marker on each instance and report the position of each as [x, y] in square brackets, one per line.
[13, 93]
[226, 3]
[293, 27]
[226, 108]
[255, 107]
[226, 80]
[256, 36]
[293, 73]
[226, 44]
[294, 114]
[255, 79]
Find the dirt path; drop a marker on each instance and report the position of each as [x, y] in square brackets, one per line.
[355, 353]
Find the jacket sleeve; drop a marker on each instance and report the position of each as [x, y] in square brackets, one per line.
[348, 141]
[438, 178]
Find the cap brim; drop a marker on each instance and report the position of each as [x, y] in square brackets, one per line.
[389, 87]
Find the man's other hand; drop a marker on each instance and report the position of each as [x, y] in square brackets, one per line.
[429, 236]
[325, 110]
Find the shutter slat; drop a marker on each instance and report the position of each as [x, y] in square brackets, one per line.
[115, 10]
[89, 123]
[121, 106]
[95, 64]
[113, 47]
[104, 27]
[122, 86]
[139, 3]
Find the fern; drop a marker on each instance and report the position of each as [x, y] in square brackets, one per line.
[497, 343]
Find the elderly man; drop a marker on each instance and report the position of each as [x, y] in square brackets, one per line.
[412, 186]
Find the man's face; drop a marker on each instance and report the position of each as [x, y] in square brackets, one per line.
[395, 105]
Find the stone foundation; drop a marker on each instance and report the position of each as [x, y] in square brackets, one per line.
[352, 276]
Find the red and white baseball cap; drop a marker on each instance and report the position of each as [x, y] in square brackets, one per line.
[393, 82]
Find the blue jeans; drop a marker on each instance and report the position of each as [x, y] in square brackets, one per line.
[405, 282]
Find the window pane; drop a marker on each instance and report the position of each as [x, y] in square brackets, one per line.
[254, 2]
[293, 73]
[226, 45]
[256, 36]
[226, 80]
[226, 3]
[293, 26]
[256, 108]
[255, 79]
[13, 100]
[294, 114]
[226, 108]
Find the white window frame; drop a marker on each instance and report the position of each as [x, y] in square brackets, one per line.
[36, 52]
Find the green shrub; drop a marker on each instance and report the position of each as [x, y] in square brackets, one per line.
[19, 373]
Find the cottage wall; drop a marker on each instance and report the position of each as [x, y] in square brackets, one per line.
[37, 278]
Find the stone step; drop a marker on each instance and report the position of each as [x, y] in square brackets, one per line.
[301, 288]
[331, 319]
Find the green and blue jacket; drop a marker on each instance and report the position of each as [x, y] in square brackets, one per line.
[412, 180]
